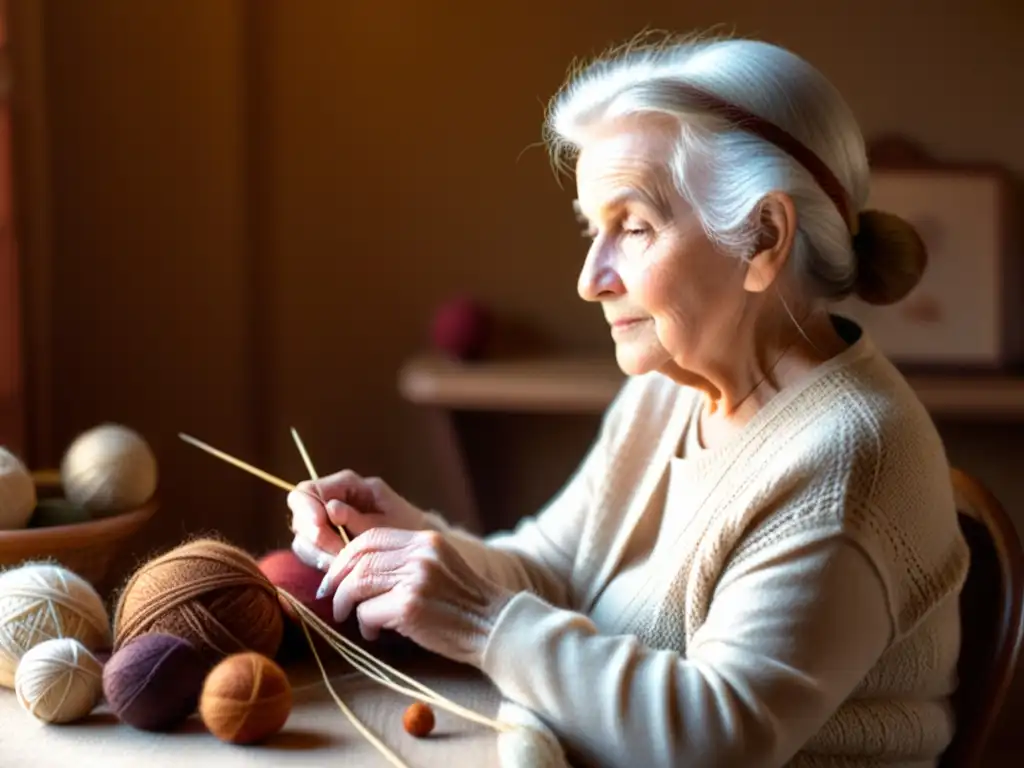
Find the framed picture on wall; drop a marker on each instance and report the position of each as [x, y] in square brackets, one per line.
[965, 311]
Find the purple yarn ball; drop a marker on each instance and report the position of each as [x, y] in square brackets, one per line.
[153, 683]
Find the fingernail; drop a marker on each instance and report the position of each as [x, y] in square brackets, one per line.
[321, 593]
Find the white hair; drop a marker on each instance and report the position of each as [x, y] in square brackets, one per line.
[721, 170]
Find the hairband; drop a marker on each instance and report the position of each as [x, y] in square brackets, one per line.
[773, 134]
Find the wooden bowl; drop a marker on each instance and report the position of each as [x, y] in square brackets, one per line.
[87, 548]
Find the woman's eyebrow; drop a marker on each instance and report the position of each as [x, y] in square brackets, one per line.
[652, 200]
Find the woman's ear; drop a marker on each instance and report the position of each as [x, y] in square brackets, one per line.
[777, 230]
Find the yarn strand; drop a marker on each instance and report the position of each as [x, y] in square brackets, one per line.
[347, 652]
[358, 658]
[381, 747]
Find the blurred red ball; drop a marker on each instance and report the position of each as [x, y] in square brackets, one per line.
[285, 570]
[461, 329]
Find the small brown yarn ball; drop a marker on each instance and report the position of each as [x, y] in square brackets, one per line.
[246, 699]
[207, 592]
[418, 720]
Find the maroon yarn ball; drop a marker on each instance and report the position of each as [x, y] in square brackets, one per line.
[153, 683]
[461, 329]
[284, 570]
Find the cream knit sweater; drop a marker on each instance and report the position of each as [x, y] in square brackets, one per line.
[787, 599]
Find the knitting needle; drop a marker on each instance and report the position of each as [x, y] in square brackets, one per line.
[305, 454]
[253, 470]
[312, 473]
[295, 603]
[237, 462]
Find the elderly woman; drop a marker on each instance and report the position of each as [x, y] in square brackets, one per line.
[758, 562]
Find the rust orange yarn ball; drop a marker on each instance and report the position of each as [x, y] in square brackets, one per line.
[418, 720]
[207, 592]
[246, 699]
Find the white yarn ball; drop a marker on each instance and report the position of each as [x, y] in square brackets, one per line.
[529, 743]
[109, 468]
[59, 681]
[42, 601]
[17, 492]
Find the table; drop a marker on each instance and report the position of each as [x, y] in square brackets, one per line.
[316, 734]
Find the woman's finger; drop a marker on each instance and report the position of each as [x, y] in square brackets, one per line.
[345, 486]
[309, 518]
[381, 612]
[321, 537]
[311, 555]
[375, 574]
[304, 501]
[374, 540]
[357, 520]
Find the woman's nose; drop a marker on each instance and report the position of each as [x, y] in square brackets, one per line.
[598, 279]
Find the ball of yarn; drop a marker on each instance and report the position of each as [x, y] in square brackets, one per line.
[17, 492]
[207, 592]
[109, 468]
[59, 681]
[285, 570]
[529, 743]
[246, 699]
[153, 683]
[42, 601]
[418, 720]
[461, 328]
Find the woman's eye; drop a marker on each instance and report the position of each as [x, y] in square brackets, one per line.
[635, 230]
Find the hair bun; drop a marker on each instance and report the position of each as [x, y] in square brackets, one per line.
[891, 257]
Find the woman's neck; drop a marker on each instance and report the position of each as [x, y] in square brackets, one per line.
[808, 345]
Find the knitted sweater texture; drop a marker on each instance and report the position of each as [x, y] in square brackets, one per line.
[788, 598]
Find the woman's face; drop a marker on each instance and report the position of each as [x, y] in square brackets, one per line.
[672, 300]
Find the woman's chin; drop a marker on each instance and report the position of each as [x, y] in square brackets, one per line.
[638, 359]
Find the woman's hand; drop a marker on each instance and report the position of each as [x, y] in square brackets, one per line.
[416, 584]
[319, 507]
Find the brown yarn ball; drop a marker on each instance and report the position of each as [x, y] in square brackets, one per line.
[246, 699]
[418, 720]
[207, 592]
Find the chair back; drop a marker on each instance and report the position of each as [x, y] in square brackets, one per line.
[991, 609]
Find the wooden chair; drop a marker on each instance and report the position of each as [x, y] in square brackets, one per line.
[992, 605]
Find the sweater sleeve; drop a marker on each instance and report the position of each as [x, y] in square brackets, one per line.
[787, 639]
[537, 556]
